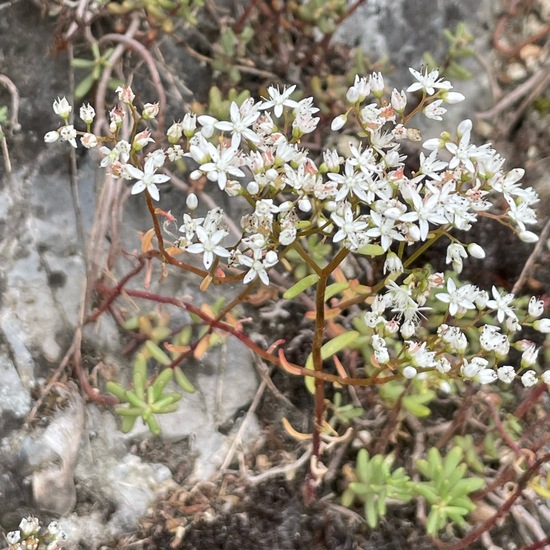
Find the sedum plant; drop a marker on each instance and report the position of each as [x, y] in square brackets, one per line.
[447, 489]
[359, 200]
[376, 484]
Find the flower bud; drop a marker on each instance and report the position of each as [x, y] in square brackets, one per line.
[536, 307]
[476, 251]
[304, 205]
[529, 378]
[398, 100]
[338, 123]
[393, 264]
[192, 201]
[51, 137]
[407, 329]
[141, 140]
[87, 113]
[89, 140]
[528, 237]
[529, 356]
[175, 132]
[376, 81]
[253, 188]
[125, 94]
[409, 372]
[189, 125]
[546, 376]
[542, 325]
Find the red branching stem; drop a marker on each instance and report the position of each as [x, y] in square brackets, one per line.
[214, 323]
[476, 533]
[113, 293]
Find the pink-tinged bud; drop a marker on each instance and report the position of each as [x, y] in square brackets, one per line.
[476, 251]
[51, 137]
[117, 116]
[62, 108]
[141, 140]
[87, 113]
[125, 94]
[150, 110]
[89, 141]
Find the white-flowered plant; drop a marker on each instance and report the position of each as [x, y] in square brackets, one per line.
[362, 199]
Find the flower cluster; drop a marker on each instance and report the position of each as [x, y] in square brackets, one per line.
[29, 537]
[362, 198]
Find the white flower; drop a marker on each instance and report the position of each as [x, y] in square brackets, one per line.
[501, 303]
[220, 165]
[546, 376]
[529, 378]
[258, 267]
[359, 91]
[506, 374]
[147, 178]
[29, 526]
[68, 133]
[239, 125]
[209, 245]
[350, 227]
[13, 537]
[434, 110]
[456, 298]
[477, 370]
[455, 253]
[62, 108]
[278, 100]
[428, 82]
